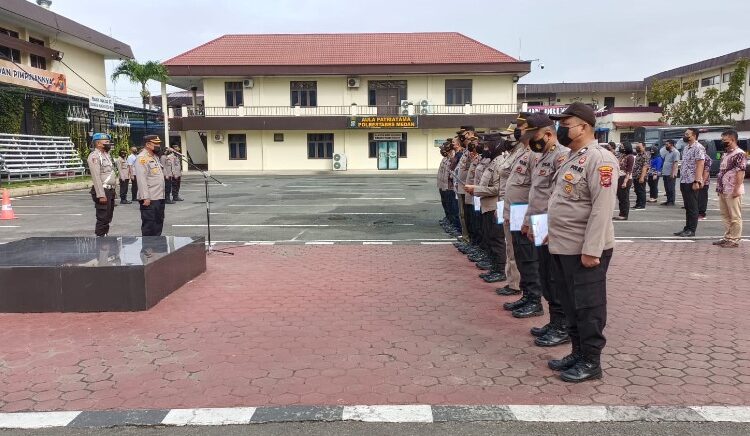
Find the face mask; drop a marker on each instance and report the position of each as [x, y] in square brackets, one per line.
[563, 135]
[107, 147]
[122, 155]
[686, 139]
[537, 145]
[726, 145]
[517, 133]
[157, 150]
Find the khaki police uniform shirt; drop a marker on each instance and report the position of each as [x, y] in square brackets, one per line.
[166, 168]
[543, 172]
[102, 171]
[442, 176]
[489, 186]
[176, 166]
[463, 170]
[519, 181]
[481, 166]
[505, 168]
[150, 177]
[582, 202]
[470, 175]
[123, 168]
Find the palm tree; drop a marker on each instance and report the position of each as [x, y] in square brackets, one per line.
[141, 73]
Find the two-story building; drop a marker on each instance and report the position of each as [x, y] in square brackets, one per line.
[711, 73]
[52, 65]
[309, 101]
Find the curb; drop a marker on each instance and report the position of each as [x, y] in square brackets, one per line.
[379, 414]
[48, 189]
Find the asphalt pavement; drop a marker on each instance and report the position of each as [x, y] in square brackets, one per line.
[303, 209]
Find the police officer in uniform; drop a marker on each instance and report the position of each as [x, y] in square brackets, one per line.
[543, 140]
[124, 169]
[487, 190]
[442, 185]
[103, 177]
[176, 174]
[148, 172]
[513, 146]
[165, 160]
[517, 192]
[581, 240]
[134, 183]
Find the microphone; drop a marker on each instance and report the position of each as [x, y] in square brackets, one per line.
[174, 151]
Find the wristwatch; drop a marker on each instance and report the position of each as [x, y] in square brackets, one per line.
[698, 182]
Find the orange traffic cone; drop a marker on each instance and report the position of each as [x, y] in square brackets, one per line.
[6, 213]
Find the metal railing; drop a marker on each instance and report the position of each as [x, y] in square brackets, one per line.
[352, 110]
[28, 157]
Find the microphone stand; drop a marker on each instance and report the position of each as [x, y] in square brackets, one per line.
[206, 176]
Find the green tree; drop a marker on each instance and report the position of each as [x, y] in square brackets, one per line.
[141, 73]
[664, 91]
[730, 100]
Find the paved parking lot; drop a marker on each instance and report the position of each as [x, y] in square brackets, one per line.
[297, 209]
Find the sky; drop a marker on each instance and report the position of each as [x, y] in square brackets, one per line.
[577, 40]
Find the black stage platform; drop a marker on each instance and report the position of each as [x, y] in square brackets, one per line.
[112, 274]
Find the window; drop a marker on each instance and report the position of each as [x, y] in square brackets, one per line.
[320, 145]
[304, 94]
[726, 77]
[709, 81]
[381, 92]
[278, 137]
[37, 61]
[609, 102]
[233, 92]
[627, 137]
[7, 53]
[458, 91]
[237, 147]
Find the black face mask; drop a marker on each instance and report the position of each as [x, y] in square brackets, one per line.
[725, 144]
[517, 133]
[157, 151]
[122, 155]
[563, 135]
[107, 147]
[486, 153]
[537, 145]
[686, 139]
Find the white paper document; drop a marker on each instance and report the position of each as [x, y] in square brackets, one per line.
[500, 207]
[517, 214]
[539, 227]
[477, 204]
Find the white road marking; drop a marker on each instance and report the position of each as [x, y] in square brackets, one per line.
[377, 243]
[318, 243]
[623, 240]
[238, 415]
[298, 235]
[278, 225]
[436, 243]
[260, 243]
[369, 198]
[49, 214]
[560, 413]
[414, 413]
[9, 227]
[36, 419]
[318, 213]
[677, 240]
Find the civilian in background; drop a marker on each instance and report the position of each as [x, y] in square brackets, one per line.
[703, 193]
[654, 172]
[729, 186]
[669, 171]
[627, 160]
[691, 179]
[640, 172]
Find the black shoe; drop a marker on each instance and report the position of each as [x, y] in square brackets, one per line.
[667, 203]
[486, 266]
[476, 257]
[169, 202]
[125, 202]
[687, 234]
[639, 207]
[529, 310]
[178, 199]
[495, 277]
[516, 304]
[540, 331]
[554, 337]
[565, 363]
[507, 291]
[679, 233]
[583, 370]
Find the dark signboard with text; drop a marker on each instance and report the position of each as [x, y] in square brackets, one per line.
[383, 122]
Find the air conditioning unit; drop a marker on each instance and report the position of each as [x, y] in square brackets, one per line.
[424, 103]
[218, 137]
[248, 83]
[352, 82]
[406, 108]
[424, 110]
[339, 162]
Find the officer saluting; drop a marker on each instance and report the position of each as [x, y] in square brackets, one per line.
[150, 177]
[103, 178]
[581, 239]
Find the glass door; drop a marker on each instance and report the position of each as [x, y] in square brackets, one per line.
[387, 155]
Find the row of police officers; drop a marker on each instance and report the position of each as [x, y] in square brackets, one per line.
[547, 174]
[155, 176]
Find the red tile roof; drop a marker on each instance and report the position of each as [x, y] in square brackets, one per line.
[341, 49]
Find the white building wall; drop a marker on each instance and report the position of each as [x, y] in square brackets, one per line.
[744, 115]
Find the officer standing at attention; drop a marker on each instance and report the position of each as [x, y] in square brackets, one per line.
[124, 169]
[513, 146]
[517, 192]
[581, 240]
[461, 171]
[134, 183]
[550, 155]
[176, 174]
[166, 165]
[148, 172]
[442, 178]
[103, 177]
